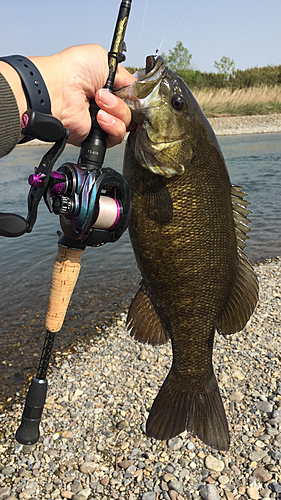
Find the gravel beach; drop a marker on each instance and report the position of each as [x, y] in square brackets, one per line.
[237, 125]
[93, 444]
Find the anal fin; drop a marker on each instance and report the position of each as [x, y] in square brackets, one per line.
[143, 322]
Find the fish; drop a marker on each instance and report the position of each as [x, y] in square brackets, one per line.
[188, 230]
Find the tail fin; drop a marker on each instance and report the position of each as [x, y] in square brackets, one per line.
[201, 413]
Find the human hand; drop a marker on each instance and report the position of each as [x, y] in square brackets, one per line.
[76, 75]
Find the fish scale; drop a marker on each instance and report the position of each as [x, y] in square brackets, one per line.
[187, 230]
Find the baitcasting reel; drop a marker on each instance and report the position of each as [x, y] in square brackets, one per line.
[93, 205]
[93, 202]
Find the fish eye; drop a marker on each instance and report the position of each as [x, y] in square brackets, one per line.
[178, 102]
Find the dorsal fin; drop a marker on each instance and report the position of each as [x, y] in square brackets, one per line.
[240, 214]
[244, 294]
[143, 321]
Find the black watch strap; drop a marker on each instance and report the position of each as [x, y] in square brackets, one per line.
[36, 93]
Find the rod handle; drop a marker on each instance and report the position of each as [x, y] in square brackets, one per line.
[65, 274]
[28, 432]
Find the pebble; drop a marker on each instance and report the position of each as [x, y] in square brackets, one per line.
[5, 492]
[264, 406]
[175, 443]
[275, 487]
[212, 463]
[149, 496]
[253, 493]
[176, 485]
[236, 397]
[209, 492]
[93, 443]
[262, 475]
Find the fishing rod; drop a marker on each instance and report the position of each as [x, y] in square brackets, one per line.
[94, 208]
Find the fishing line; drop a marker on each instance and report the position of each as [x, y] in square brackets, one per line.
[158, 50]
[143, 19]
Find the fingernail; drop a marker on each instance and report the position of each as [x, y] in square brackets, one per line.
[107, 98]
[106, 118]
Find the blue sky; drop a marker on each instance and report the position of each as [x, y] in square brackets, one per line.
[247, 31]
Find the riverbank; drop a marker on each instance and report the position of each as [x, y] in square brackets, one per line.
[239, 125]
[93, 445]
[229, 125]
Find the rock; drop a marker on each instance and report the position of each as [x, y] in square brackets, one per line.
[105, 480]
[237, 374]
[276, 413]
[5, 492]
[122, 424]
[190, 446]
[176, 485]
[76, 486]
[236, 396]
[264, 406]
[262, 475]
[8, 471]
[175, 443]
[209, 492]
[88, 467]
[173, 495]
[149, 495]
[256, 456]
[223, 479]
[168, 477]
[84, 494]
[124, 464]
[265, 493]
[253, 493]
[66, 494]
[229, 495]
[212, 463]
[276, 455]
[275, 487]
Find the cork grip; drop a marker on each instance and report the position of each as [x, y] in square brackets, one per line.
[65, 273]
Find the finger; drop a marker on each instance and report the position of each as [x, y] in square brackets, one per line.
[113, 105]
[123, 77]
[114, 127]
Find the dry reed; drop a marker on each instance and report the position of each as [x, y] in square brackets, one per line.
[247, 101]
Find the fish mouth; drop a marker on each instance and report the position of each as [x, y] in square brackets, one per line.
[154, 69]
[146, 82]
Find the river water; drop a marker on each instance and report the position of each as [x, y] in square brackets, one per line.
[109, 277]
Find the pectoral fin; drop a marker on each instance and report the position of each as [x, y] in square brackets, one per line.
[159, 205]
[143, 322]
[244, 294]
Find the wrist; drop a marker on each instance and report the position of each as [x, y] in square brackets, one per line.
[49, 68]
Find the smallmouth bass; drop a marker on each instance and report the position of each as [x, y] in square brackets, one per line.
[188, 232]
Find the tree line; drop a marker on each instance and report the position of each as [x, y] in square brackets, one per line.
[179, 61]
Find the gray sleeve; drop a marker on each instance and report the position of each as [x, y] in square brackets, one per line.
[10, 128]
